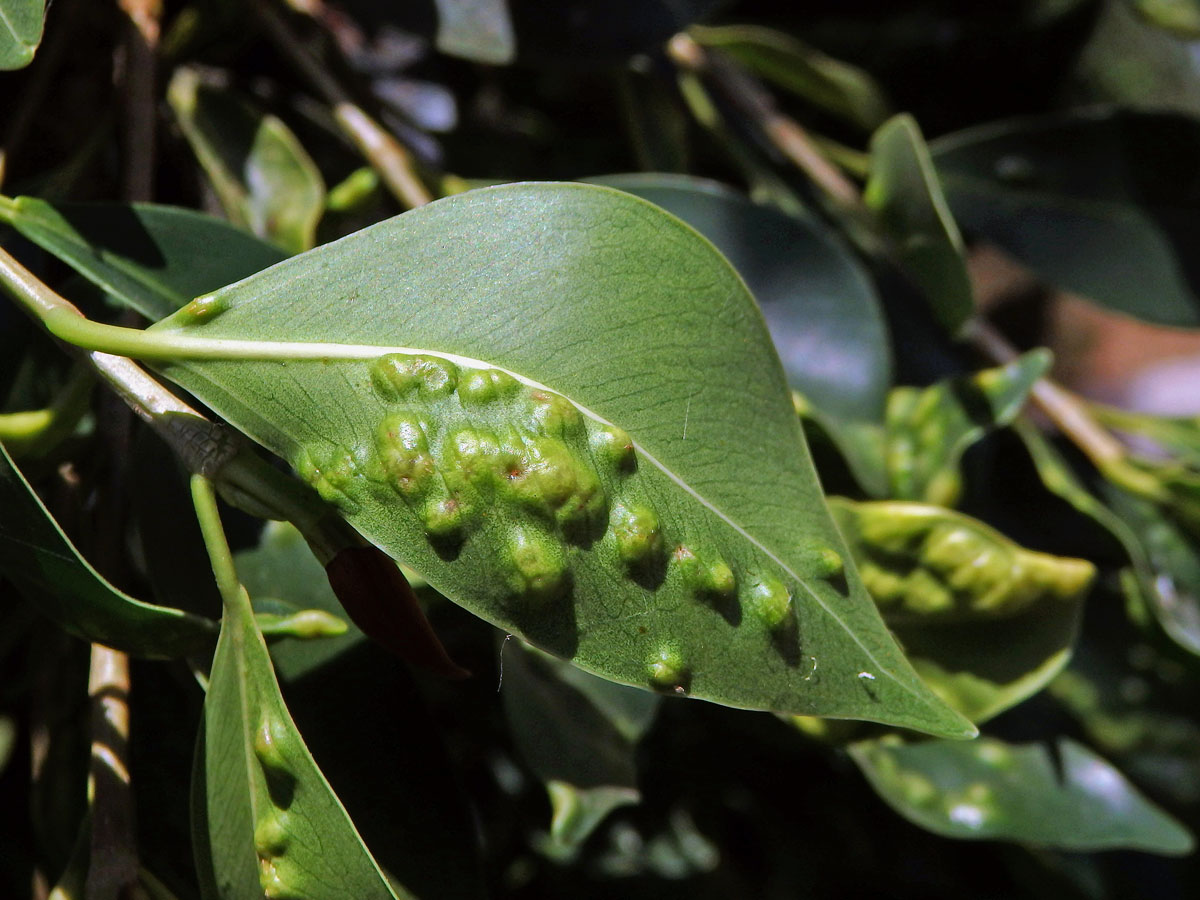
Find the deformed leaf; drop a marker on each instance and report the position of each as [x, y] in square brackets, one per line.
[476, 29]
[1069, 798]
[580, 741]
[929, 429]
[274, 825]
[20, 31]
[830, 84]
[264, 178]
[153, 259]
[985, 622]
[927, 564]
[540, 397]
[1119, 187]
[904, 191]
[38, 558]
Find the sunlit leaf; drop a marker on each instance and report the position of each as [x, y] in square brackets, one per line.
[38, 558]
[1068, 798]
[904, 191]
[986, 622]
[830, 84]
[524, 406]
[20, 31]
[1118, 187]
[264, 178]
[154, 259]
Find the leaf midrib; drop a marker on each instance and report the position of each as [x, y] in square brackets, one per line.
[280, 350]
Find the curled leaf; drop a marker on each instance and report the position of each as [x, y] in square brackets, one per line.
[924, 563]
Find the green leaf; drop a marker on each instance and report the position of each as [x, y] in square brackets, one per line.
[926, 564]
[38, 558]
[818, 299]
[476, 29]
[561, 407]
[904, 192]
[1164, 573]
[929, 429]
[985, 622]
[20, 31]
[829, 84]
[284, 568]
[1117, 187]
[265, 180]
[153, 259]
[579, 734]
[1069, 798]
[1180, 17]
[275, 827]
[8, 736]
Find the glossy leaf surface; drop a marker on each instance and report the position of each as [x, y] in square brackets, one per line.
[818, 300]
[153, 259]
[546, 387]
[1118, 187]
[265, 179]
[274, 825]
[579, 734]
[905, 193]
[987, 789]
[830, 84]
[20, 31]
[39, 559]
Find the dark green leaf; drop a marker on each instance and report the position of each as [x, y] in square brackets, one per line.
[1164, 570]
[1071, 799]
[39, 559]
[153, 259]
[598, 32]
[830, 84]
[1119, 188]
[904, 192]
[274, 824]
[476, 29]
[579, 740]
[20, 31]
[985, 622]
[570, 317]
[265, 180]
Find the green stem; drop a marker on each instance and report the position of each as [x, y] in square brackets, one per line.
[33, 433]
[233, 595]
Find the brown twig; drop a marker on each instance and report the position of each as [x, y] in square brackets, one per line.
[787, 135]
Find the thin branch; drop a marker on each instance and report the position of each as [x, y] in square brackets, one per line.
[787, 135]
[394, 163]
[139, 84]
[113, 865]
